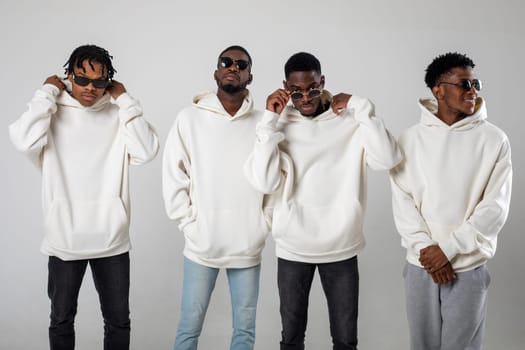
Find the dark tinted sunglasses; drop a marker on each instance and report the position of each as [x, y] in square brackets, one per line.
[466, 84]
[312, 93]
[83, 81]
[226, 62]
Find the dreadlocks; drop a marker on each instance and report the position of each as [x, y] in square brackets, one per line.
[93, 54]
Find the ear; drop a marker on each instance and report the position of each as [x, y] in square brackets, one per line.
[70, 77]
[250, 78]
[438, 92]
[322, 81]
[285, 86]
[215, 75]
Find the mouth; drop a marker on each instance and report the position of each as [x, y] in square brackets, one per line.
[88, 97]
[231, 77]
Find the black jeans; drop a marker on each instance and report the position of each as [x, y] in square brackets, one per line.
[111, 277]
[340, 281]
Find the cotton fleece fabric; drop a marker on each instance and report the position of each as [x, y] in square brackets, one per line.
[204, 187]
[84, 154]
[317, 167]
[454, 187]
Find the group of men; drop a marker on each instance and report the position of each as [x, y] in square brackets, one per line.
[232, 174]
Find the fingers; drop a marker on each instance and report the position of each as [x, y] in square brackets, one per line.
[277, 101]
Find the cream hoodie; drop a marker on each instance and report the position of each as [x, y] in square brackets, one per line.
[319, 168]
[454, 187]
[204, 188]
[84, 154]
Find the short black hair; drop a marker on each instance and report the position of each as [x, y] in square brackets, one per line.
[443, 64]
[302, 62]
[91, 53]
[237, 48]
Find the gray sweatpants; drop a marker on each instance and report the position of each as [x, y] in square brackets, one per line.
[449, 316]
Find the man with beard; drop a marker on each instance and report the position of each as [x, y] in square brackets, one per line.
[215, 207]
[314, 154]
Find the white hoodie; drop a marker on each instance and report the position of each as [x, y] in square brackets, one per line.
[454, 187]
[320, 165]
[84, 154]
[204, 188]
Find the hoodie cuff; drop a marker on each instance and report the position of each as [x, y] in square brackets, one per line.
[449, 249]
[129, 107]
[50, 89]
[266, 129]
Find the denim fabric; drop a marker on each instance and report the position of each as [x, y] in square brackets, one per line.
[340, 281]
[111, 278]
[198, 285]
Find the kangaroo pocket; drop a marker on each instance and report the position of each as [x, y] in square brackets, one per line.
[318, 230]
[82, 225]
[227, 232]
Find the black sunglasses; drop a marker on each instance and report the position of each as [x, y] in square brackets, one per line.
[466, 84]
[226, 62]
[312, 93]
[83, 81]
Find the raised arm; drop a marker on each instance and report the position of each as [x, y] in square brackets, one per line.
[382, 150]
[29, 132]
[141, 140]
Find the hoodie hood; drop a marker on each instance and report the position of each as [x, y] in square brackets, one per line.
[429, 118]
[66, 99]
[291, 114]
[210, 102]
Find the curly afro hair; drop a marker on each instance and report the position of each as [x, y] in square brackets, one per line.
[443, 64]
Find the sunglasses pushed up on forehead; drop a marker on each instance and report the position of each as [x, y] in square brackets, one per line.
[467, 84]
[226, 62]
[83, 81]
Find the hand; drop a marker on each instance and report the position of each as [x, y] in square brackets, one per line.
[115, 89]
[55, 80]
[444, 275]
[277, 101]
[340, 102]
[432, 258]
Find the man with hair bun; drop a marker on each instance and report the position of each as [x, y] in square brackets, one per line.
[83, 132]
[451, 197]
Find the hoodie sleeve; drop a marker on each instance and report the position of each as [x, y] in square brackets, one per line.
[382, 151]
[412, 227]
[141, 140]
[176, 178]
[489, 216]
[29, 132]
[267, 166]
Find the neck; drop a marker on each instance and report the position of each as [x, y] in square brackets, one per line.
[450, 118]
[231, 102]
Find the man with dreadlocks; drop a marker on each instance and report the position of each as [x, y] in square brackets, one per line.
[83, 132]
[451, 198]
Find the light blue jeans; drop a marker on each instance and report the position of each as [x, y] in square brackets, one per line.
[198, 285]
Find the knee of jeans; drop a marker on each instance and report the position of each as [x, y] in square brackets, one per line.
[245, 318]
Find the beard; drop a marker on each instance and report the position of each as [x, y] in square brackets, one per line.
[230, 88]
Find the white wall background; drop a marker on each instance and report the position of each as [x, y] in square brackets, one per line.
[165, 52]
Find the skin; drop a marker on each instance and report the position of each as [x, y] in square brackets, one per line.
[232, 102]
[454, 103]
[88, 95]
[308, 107]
